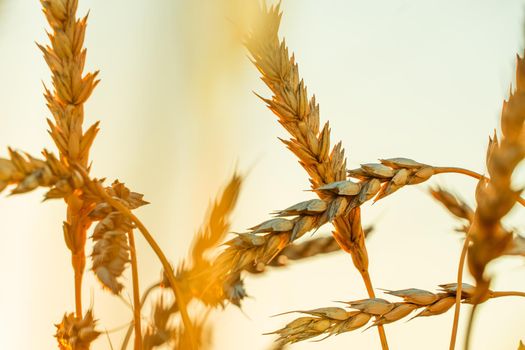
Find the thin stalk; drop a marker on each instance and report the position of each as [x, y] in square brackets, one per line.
[442, 170]
[469, 327]
[371, 294]
[142, 302]
[78, 260]
[458, 291]
[136, 292]
[507, 294]
[181, 302]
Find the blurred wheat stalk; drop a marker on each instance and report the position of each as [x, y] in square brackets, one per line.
[213, 275]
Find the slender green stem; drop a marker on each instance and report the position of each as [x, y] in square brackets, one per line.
[458, 291]
[136, 292]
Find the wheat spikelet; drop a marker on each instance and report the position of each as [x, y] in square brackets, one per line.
[111, 251]
[26, 172]
[391, 175]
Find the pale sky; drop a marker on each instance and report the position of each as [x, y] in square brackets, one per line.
[418, 79]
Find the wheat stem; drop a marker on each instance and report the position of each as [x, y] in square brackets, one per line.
[136, 292]
[180, 300]
[371, 294]
[442, 170]
[147, 292]
[163, 260]
[469, 326]
[78, 261]
[459, 289]
[507, 294]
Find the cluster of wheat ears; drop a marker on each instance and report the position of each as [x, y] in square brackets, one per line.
[213, 273]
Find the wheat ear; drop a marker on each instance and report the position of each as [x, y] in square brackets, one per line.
[66, 59]
[330, 321]
[299, 115]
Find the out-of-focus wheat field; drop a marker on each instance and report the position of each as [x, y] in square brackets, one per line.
[418, 79]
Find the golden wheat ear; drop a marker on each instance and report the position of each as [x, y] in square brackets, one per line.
[333, 320]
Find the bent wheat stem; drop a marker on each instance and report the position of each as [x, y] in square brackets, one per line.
[136, 292]
[444, 170]
[181, 302]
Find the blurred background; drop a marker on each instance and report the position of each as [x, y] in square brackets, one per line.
[419, 79]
